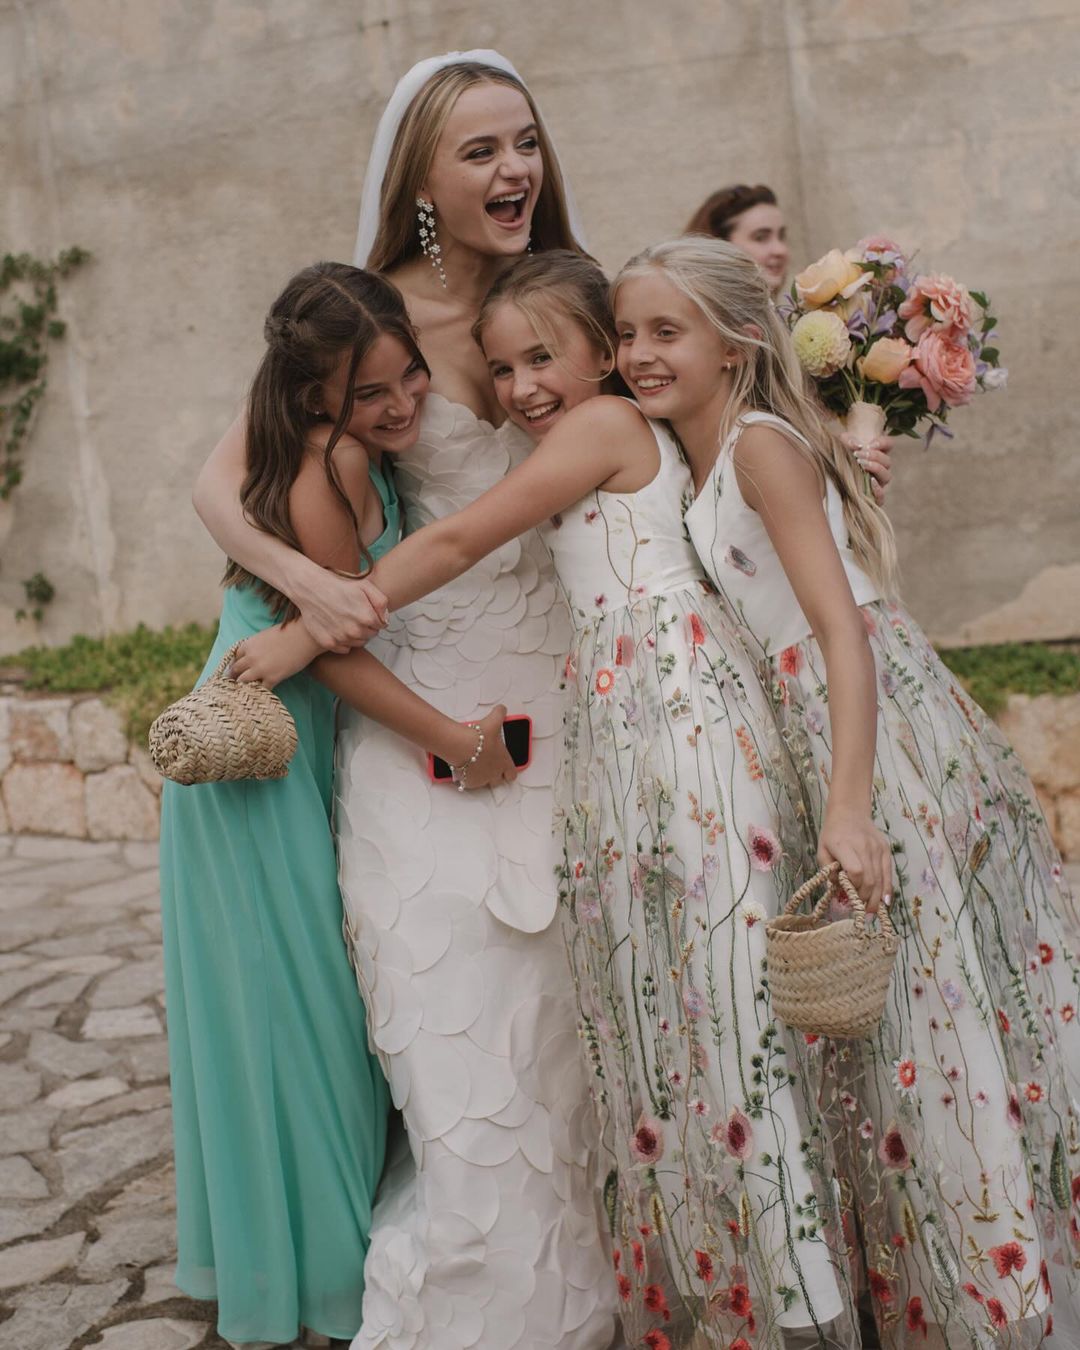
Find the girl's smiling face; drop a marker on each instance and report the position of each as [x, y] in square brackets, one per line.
[537, 383]
[669, 353]
[388, 394]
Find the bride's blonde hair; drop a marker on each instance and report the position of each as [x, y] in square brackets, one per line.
[730, 290]
[398, 236]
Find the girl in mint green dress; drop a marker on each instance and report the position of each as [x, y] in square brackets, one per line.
[279, 1108]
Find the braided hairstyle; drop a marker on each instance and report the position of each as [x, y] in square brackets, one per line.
[325, 313]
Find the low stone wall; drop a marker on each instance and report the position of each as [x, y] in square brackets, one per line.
[1045, 732]
[67, 767]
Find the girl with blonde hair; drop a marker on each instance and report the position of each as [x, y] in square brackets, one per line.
[959, 1119]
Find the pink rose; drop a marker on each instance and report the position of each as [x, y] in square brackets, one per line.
[936, 302]
[943, 370]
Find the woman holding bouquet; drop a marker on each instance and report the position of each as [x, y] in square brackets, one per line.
[959, 1120]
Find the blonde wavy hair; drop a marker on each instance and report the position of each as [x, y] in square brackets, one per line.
[398, 236]
[730, 290]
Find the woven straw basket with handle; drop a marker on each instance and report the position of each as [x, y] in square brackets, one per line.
[829, 979]
[222, 731]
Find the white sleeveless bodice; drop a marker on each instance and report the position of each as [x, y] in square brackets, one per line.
[613, 549]
[734, 546]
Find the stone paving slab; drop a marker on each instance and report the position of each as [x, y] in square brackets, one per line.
[87, 1214]
[86, 1182]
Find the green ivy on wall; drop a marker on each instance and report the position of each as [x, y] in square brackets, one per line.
[28, 324]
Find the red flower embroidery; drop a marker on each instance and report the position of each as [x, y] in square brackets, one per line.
[996, 1312]
[616, 1258]
[704, 1266]
[1046, 953]
[879, 1286]
[915, 1319]
[1004, 1021]
[791, 661]
[1076, 1189]
[625, 1288]
[655, 1301]
[624, 650]
[656, 1340]
[1044, 1277]
[739, 1300]
[647, 1144]
[973, 1292]
[1008, 1257]
[639, 1256]
[1013, 1113]
[697, 629]
[741, 1344]
[892, 1150]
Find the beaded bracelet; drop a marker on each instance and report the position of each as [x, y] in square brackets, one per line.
[461, 770]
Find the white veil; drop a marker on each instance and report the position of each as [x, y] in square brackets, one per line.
[405, 91]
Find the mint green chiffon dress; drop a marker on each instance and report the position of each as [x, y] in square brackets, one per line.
[279, 1109]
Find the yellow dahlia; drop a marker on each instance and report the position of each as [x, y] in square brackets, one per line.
[821, 342]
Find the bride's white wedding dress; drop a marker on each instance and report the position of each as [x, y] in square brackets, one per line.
[486, 1232]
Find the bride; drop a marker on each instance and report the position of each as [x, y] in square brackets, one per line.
[486, 1233]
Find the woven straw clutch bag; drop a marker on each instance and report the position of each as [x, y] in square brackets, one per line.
[829, 979]
[222, 731]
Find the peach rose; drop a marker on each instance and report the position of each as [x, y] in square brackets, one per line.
[936, 302]
[885, 360]
[943, 370]
[829, 277]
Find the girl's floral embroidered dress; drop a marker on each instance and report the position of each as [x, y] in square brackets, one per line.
[669, 803]
[958, 1127]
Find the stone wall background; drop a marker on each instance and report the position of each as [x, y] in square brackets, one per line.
[204, 151]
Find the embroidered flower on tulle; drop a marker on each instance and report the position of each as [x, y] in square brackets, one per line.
[704, 1266]
[1068, 1012]
[752, 913]
[736, 558]
[624, 649]
[654, 1300]
[892, 1150]
[764, 848]
[647, 1142]
[700, 1107]
[879, 1286]
[791, 660]
[1046, 953]
[604, 683]
[1033, 1092]
[980, 1098]
[656, 1340]
[952, 994]
[1013, 1113]
[906, 1076]
[739, 1301]
[916, 1319]
[866, 1128]
[739, 1135]
[847, 1101]
[1008, 1257]
[694, 1003]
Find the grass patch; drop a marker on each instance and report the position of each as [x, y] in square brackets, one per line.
[139, 673]
[142, 672]
[991, 674]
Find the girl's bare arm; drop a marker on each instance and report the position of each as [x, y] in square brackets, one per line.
[339, 613]
[780, 483]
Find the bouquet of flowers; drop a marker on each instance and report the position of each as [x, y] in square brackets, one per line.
[890, 350]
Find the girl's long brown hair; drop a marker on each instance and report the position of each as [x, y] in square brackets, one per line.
[327, 311]
[398, 236]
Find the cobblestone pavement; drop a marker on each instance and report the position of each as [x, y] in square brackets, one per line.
[86, 1182]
